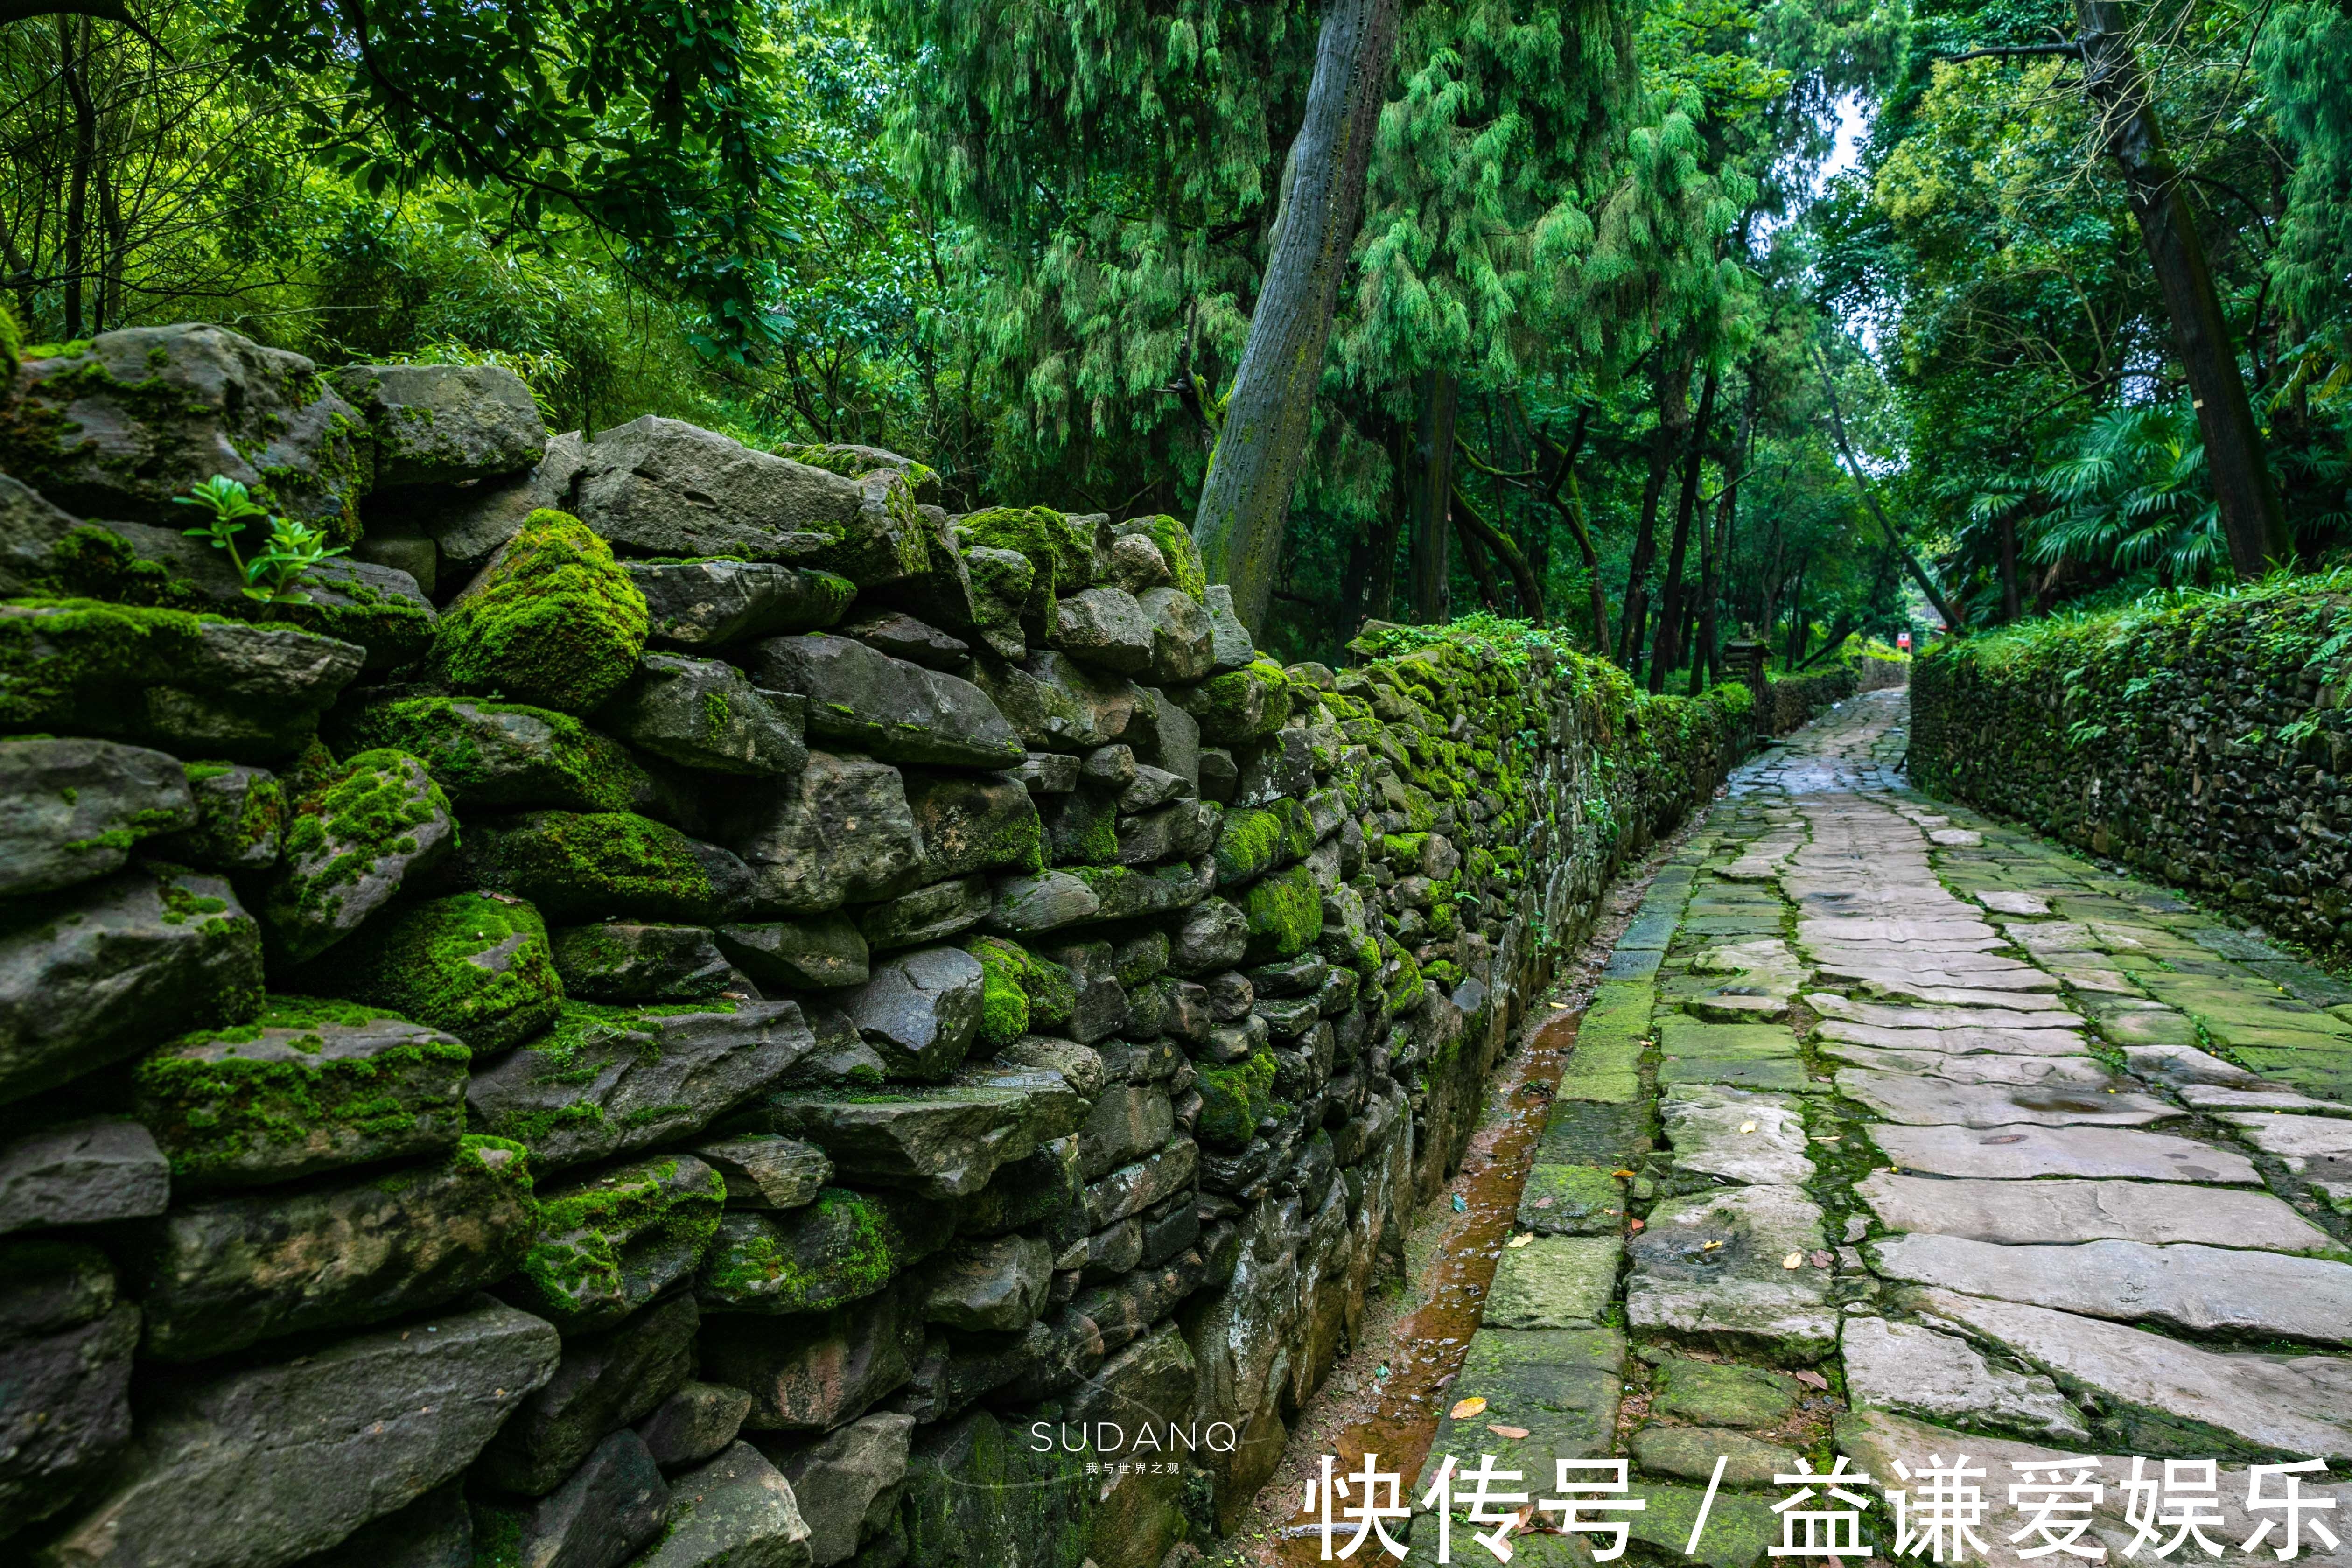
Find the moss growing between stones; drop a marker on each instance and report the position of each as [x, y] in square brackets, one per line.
[844, 1245]
[1235, 1098]
[1285, 914]
[1005, 1010]
[1053, 994]
[349, 840]
[476, 965]
[504, 754]
[274, 1098]
[1404, 987]
[603, 1245]
[554, 620]
[1241, 705]
[1251, 841]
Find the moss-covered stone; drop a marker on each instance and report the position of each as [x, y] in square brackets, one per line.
[554, 620]
[1004, 1009]
[609, 1244]
[240, 819]
[1285, 913]
[585, 866]
[486, 753]
[309, 1086]
[844, 1245]
[632, 961]
[475, 965]
[1060, 552]
[1174, 542]
[1240, 705]
[1253, 840]
[1235, 1099]
[355, 834]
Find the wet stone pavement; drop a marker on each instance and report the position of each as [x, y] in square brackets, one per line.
[1896, 1133]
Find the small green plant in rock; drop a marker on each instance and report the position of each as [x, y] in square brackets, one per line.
[290, 550]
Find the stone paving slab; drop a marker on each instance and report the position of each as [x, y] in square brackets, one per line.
[2059, 1211]
[1829, 1004]
[1554, 1282]
[1757, 1139]
[2022, 1152]
[1958, 1042]
[1712, 1268]
[1914, 1370]
[2082, 1073]
[1934, 1102]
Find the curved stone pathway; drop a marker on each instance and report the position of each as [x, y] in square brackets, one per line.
[1896, 1132]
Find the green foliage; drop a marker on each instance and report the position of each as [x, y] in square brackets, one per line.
[289, 552]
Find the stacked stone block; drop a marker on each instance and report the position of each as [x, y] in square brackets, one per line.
[684, 1003]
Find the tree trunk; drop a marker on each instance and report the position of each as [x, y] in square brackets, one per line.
[1667, 655]
[1894, 540]
[2130, 134]
[1579, 530]
[1430, 573]
[1524, 585]
[1481, 570]
[1245, 497]
[1719, 544]
[1379, 598]
[1674, 387]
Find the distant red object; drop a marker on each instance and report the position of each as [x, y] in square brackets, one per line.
[1902, 641]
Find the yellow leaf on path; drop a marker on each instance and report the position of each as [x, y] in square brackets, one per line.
[1622, 1175]
[1521, 1239]
[1794, 1260]
[1747, 1127]
[1464, 1409]
[1513, 1433]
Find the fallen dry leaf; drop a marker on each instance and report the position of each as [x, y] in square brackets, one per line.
[1794, 1260]
[1513, 1433]
[1709, 1246]
[1466, 1408]
[1747, 1127]
[1822, 1259]
[1521, 1239]
[1543, 1203]
[1811, 1379]
[1623, 1175]
[1633, 1225]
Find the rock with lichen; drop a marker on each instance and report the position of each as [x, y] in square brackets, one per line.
[73, 809]
[488, 753]
[815, 1257]
[584, 866]
[442, 423]
[609, 1243]
[552, 620]
[351, 840]
[475, 965]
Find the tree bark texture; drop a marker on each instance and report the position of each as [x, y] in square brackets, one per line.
[1245, 498]
[1525, 585]
[2130, 134]
[1429, 571]
[1674, 415]
[1673, 613]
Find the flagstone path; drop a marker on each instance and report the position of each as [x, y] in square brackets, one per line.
[1894, 1131]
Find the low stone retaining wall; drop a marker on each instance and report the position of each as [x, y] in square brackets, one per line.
[680, 1004]
[2202, 742]
[1796, 700]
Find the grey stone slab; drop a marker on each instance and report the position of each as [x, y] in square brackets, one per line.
[1740, 1291]
[2011, 903]
[2021, 1213]
[1919, 1372]
[1758, 1138]
[82, 1173]
[2165, 1389]
[2218, 1096]
[1956, 1042]
[1829, 1004]
[2199, 1289]
[1554, 1282]
[737, 1511]
[1984, 1068]
[1633, 963]
[2017, 1153]
[1561, 1386]
[1934, 1102]
[2185, 1065]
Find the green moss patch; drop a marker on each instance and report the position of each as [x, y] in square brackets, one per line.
[1235, 1099]
[475, 965]
[1285, 913]
[555, 621]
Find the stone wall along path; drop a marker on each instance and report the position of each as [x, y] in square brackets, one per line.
[1938, 1140]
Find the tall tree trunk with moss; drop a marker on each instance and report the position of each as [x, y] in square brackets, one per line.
[1245, 498]
[1430, 573]
[2130, 134]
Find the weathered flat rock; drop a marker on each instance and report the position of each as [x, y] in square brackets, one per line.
[705, 713]
[2007, 903]
[737, 1511]
[2218, 1096]
[1906, 975]
[231, 1470]
[1561, 1386]
[847, 1485]
[1956, 1042]
[1919, 1372]
[2263, 1403]
[840, 831]
[611, 1241]
[82, 1173]
[2083, 1072]
[1554, 1282]
[2199, 1289]
[1690, 1452]
[608, 1081]
[71, 809]
[946, 1141]
[1571, 1200]
[437, 424]
[1736, 1292]
[66, 1341]
[844, 1245]
[2025, 1213]
[2293, 1138]
[1759, 1139]
[2022, 1151]
[700, 604]
[899, 711]
[605, 1381]
[766, 1171]
[1963, 991]
[1936, 1102]
[1829, 1004]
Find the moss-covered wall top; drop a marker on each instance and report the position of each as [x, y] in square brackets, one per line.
[681, 997]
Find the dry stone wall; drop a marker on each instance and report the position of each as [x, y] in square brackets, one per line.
[682, 1003]
[2203, 743]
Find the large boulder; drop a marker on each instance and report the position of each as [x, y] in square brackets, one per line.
[71, 809]
[552, 620]
[1183, 640]
[610, 1080]
[661, 487]
[231, 1469]
[1060, 550]
[196, 685]
[352, 840]
[986, 1286]
[612, 1243]
[631, 961]
[307, 1087]
[1104, 627]
[475, 965]
[585, 866]
[220, 1275]
[812, 1374]
[606, 1380]
[64, 1403]
[121, 424]
[844, 1245]
[900, 712]
[838, 832]
[116, 964]
[702, 713]
[813, 954]
[944, 1140]
[437, 424]
[613, 1504]
[848, 1484]
[971, 822]
[1056, 705]
[697, 606]
[486, 753]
